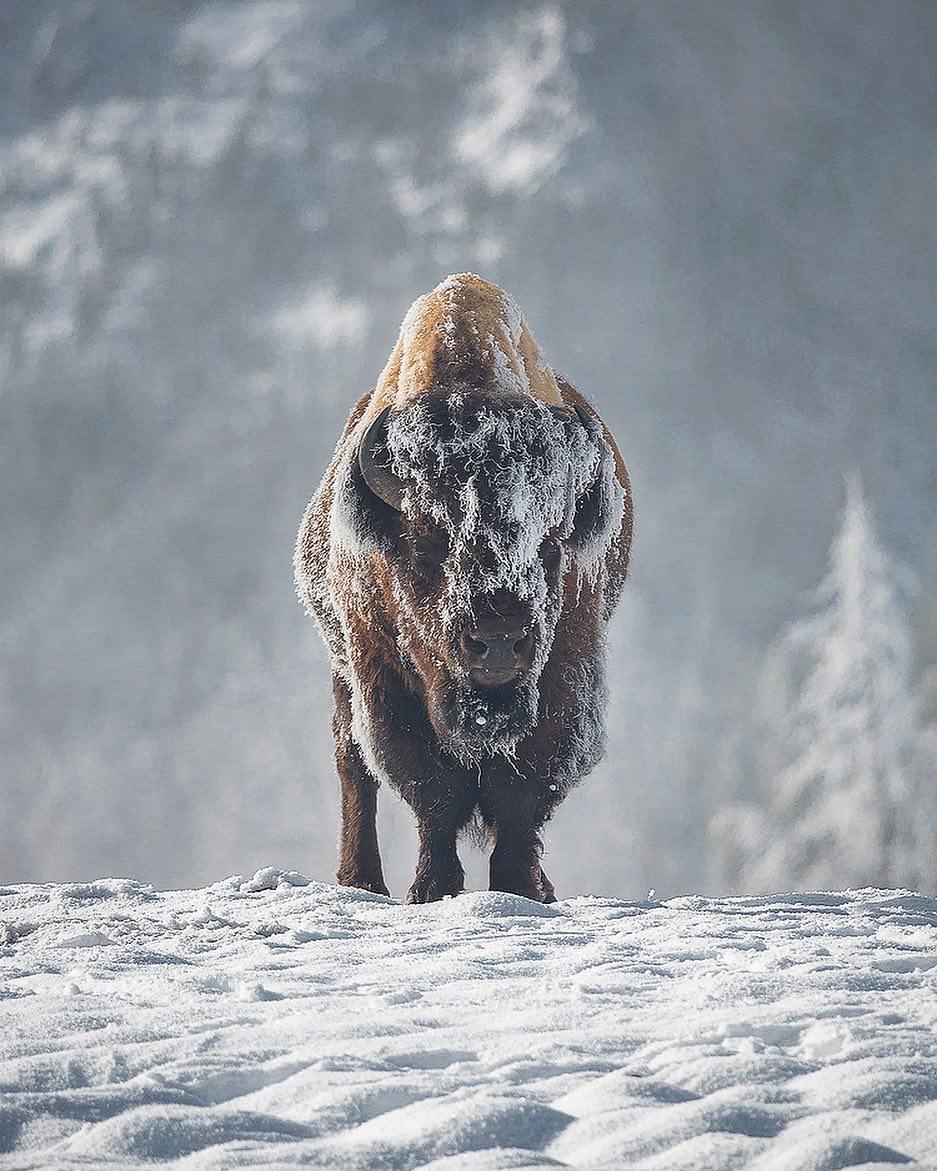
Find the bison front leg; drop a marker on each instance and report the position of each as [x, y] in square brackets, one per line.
[441, 811]
[515, 863]
[441, 793]
[515, 811]
[360, 857]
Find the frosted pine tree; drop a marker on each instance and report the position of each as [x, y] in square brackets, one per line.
[844, 805]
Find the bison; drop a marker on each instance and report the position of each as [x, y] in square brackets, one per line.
[462, 556]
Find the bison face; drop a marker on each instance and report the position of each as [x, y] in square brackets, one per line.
[473, 511]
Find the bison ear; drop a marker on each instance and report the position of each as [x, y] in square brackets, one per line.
[589, 518]
[595, 509]
[375, 472]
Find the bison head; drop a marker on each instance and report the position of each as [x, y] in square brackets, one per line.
[471, 512]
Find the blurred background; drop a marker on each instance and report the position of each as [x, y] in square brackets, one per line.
[719, 220]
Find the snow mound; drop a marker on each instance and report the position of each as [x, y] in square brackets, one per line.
[493, 904]
[167, 1132]
[278, 1021]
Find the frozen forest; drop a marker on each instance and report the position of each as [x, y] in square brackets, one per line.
[843, 758]
[718, 219]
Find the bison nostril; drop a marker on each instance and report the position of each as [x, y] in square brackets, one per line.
[475, 646]
[497, 652]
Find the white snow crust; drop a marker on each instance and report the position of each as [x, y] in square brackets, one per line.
[278, 1022]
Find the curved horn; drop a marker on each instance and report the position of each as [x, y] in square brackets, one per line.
[378, 477]
[588, 421]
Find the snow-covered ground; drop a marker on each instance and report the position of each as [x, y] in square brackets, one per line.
[276, 1022]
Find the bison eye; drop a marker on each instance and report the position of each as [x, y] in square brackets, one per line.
[426, 555]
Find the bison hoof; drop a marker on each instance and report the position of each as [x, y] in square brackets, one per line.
[431, 890]
[374, 885]
[523, 889]
[540, 890]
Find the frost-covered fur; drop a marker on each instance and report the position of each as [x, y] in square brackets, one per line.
[496, 478]
[516, 509]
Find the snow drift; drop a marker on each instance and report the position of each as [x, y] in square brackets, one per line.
[277, 1021]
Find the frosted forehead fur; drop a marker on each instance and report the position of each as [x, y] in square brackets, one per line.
[512, 466]
[495, 474]
[465, 322]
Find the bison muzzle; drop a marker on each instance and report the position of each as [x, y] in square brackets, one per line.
[462, 556]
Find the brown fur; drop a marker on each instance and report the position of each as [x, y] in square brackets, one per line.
[355, 596]
[467, 311]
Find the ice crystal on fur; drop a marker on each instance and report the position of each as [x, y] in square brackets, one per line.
[499, 476]
[497, 479]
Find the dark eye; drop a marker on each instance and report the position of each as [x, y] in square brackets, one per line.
[427, 555]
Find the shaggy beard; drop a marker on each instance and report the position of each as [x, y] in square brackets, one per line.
[476, 723]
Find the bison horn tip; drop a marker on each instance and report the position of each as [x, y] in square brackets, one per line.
[584, 417]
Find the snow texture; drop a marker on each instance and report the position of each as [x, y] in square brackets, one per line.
[279, 1022]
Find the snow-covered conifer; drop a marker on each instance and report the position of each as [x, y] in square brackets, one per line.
[844, 801]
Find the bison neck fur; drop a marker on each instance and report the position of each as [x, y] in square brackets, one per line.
[462, 556]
